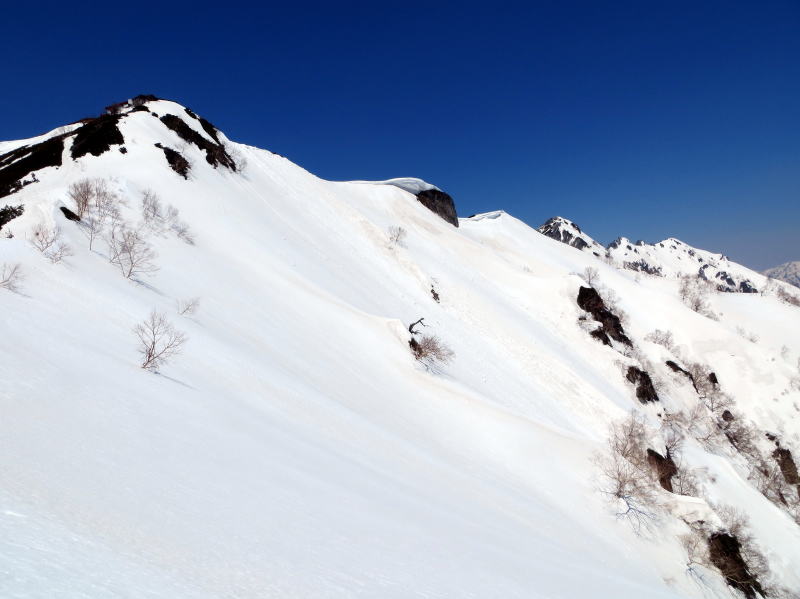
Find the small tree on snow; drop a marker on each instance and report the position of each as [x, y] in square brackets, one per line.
[131, 252]
[397, 236]
[81, 192]
[11, 277]
[158, 340]
[590, 275]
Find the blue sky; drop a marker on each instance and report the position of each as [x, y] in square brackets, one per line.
[641, 119]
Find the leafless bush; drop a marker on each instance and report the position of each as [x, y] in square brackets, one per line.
[81, 192]
[11, 277]
[694, 292]
[48, 241]
[58, 252]
[93, 228]
[751, 337]
[131, 252]
[431, 351]
[158, 340]
[397, 236]
[189, 306]
[44, 237]
[662, 338]
[237, 156]
[158, 218]
[625, 475]
[786, 297]
[590, 275]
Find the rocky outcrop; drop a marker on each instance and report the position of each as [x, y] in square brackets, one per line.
[724, 550]
[9, 213]
[97, 136]
[645, 391]
[569, 233]
[439, 203]
[673, 366]
[16, 165]
[216, 154]
[787, 465]
[590, 301]
[664, 468]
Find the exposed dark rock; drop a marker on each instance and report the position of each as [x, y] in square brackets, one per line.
[645, 391]
[439, 203]
[215, 152]
[787, 465]
[675, 368]
[142, 99]
[564, 231]
[642, 265]
[69, 214]
[590, 301]
[747, 286]
[725, 553]
[140, 108]
[209, 128]
[728, 416]
[18, 164]
[191, 113]
[712, 378]
[435, 295]
[601, 336]
[176, 161]
[664, 468]
[97, 136]
[9, 213]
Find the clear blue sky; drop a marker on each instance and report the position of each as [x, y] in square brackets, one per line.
[640, 119]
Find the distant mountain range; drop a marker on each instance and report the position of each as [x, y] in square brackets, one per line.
[788, 272]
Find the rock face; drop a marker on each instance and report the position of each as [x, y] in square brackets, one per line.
[664, 467]
[725, 552]
[787, 465]
[439, 203]
[590, 301]
[645, 392]
[567, 232]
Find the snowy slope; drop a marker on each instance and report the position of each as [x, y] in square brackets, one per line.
[788, 272]
[296, 448]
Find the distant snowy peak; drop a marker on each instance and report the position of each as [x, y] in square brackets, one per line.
[788, 273]
[670, 257]
[568, 232]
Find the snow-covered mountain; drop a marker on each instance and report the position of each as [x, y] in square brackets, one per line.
[296, 446]
[670, 257]
[788, 272]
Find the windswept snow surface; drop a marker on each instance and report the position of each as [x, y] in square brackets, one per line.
[295, 448]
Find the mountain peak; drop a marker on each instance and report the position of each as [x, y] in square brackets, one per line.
[566, 231]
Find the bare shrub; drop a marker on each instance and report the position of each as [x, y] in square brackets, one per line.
[786, 297]
[48, 241]
[93, 228]
[431, 351]
[158, 218]
[11, 277]
[590, 275]
[58, 252]
[751, 337]
[189, 306]
[625, 475]
[662, 338]
[131, 252]
[397, 236]
[44, 237]
[81, 192]
[694, 292]
[158, 340]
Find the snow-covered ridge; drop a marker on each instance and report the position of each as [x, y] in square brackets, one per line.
[670, 257]
[409, 184]
[296, 448]
[788, 273]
